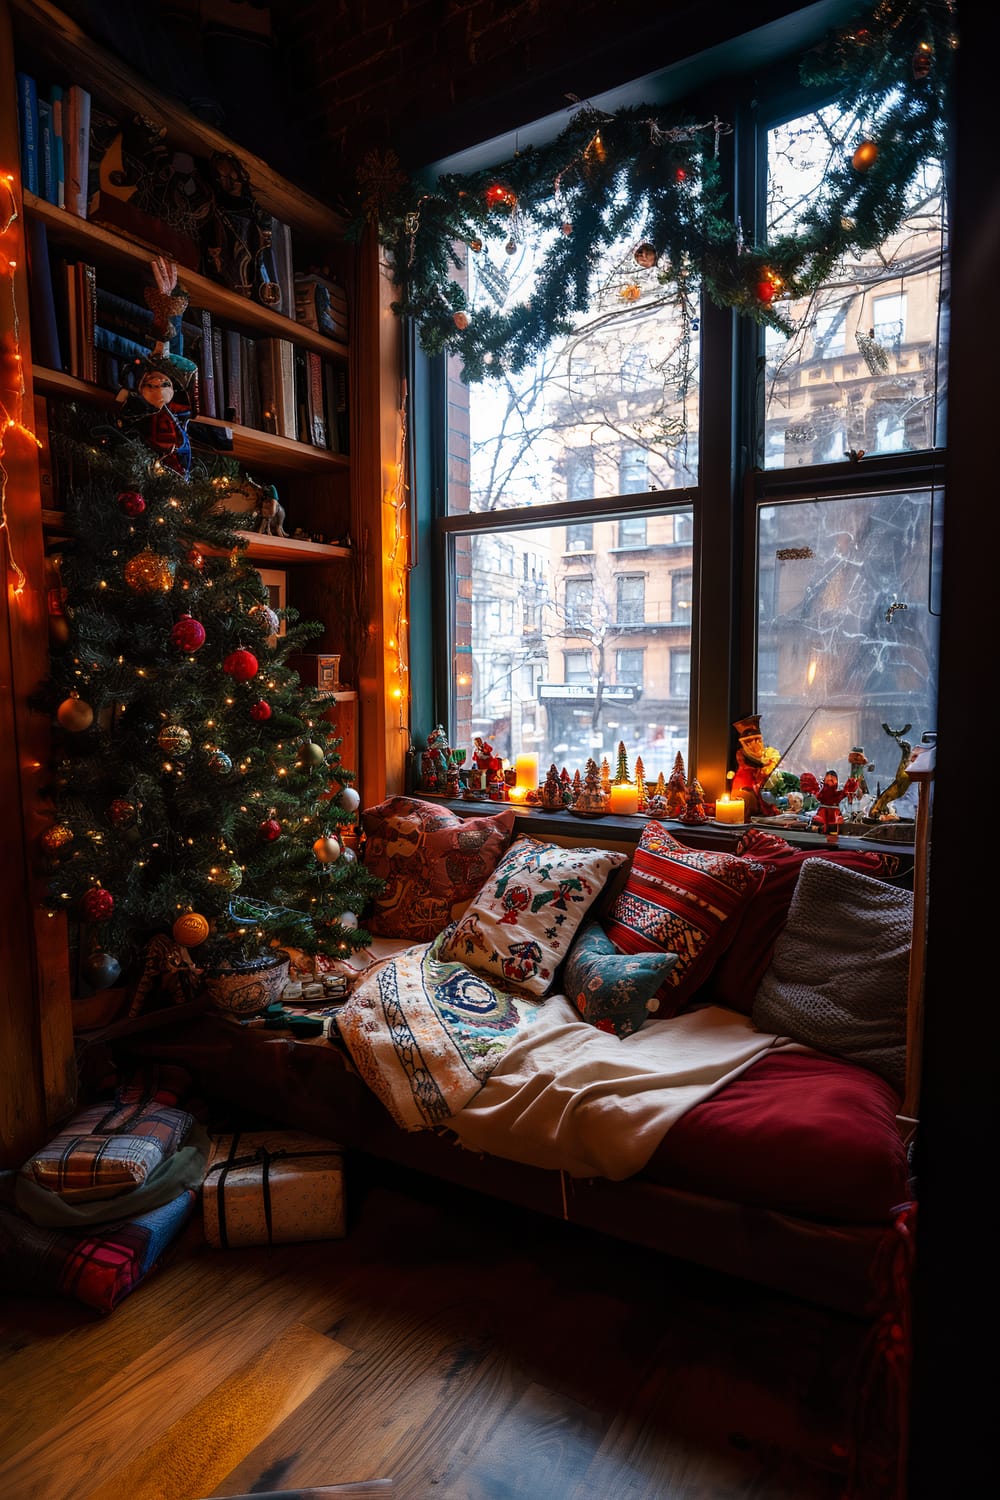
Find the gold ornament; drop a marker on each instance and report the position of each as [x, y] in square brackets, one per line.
[190, 929]
[630, 292]
[149, 573]
[864, 156]
[74, 715]
[309, 754]
[56, 837]
[326, 849]
[174, 739]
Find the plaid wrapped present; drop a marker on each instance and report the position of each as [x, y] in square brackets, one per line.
[273, 1187]
[98, 1266]
[110, 1148]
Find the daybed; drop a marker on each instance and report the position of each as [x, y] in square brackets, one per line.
[502, 1041]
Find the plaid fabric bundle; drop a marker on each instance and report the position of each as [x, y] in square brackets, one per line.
[104, 1151]
[98, 1267]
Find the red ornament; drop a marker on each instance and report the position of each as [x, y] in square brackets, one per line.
[261, 711]
[680, 175]
[241, 665]
[195, 559]
[97, 904]
[188, 634]
[460, 320]
[269, 830]
[131, 502]
[765, 291]
[497, 195]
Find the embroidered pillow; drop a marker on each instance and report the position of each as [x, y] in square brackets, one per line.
[838, 978]
[736, 977]
[684, 901]
[613, 991]
[432, 861]
[521, 925]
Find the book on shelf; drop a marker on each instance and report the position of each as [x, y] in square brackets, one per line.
[219, 373]
[76, 131]
[231, 359]
[45, 342]
[56, 98]
[86, 290]
[321, 303]
[71, 350]
[46, 153]
[317, 418]
[330, 405]
[206, 365]
[281, 248]
[27, 126]
[303, 415]
[276, 366]
[249, 382]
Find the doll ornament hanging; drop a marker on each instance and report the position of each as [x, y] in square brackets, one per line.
[156, 405]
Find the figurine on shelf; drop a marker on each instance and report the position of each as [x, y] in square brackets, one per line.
[673, 793]
[487, 765]
[155, 403]
[551, 792]
[694, 811]
[238, 236]
[828, 817]
[756, 764]
[434, 761]
[270, 512]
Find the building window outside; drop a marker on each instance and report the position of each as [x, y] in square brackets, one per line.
[631, 599]
[680, 675]
[634, 472]
[632, 532]
[579, 600]
[580, 538]
[577, 668]
[628, 668]
[681, 597]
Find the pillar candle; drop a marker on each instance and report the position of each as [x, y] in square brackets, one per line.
[526, 771]
[729, 809]
[624, 798]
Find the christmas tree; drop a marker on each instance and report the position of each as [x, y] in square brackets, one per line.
[198, 791]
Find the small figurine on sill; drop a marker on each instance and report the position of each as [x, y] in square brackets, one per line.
[694, 811]
[434, 761]
[270, 512]
[828, 817]
[755, 764]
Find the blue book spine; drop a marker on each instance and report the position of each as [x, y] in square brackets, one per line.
[47, 153]
[58, 143]
[27, 120]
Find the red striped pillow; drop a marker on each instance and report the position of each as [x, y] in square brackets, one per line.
[683, 901]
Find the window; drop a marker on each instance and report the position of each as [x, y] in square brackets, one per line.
[631, 600]
[580, 538]
[632, 532]
[628, 668]
[594, 449]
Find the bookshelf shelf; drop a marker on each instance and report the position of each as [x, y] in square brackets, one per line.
[262, 549]
[265, 449]
[65, 229]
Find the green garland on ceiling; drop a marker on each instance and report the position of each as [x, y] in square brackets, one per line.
[645, 172]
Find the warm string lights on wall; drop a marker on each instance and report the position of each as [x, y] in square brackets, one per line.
[397, 565]
[11, 370]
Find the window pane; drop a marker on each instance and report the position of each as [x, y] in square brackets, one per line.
[864, 370]
[611, 657]
[612, 409]
[847, 636]
[580, 538]
[632, 533]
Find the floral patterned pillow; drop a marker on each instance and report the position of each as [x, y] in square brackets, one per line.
[520, 926]
[684, 901]
[614, 991]
[432, 861]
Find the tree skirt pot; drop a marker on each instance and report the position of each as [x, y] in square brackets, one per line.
[246, 989]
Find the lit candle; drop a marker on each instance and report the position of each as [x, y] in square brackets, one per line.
[624, 798]
[729, 809]
[526, 771]
[517, 794]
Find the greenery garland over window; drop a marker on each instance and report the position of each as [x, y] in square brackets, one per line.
[639, 171]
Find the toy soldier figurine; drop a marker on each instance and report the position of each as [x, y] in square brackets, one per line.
[755, 765]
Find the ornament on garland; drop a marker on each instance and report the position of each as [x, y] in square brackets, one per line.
[219, 763]
[349, 920]
[348, 856]
[174, 739]
[327, 849]
[499, 196]
[149, 573]
[131, 502]
[188, 634]
[190, 929]
[460, 320]
[101, 970]
[349, 799]
[97, 904]
[241, 665]
[260, 711]
[56, 838]
[264, 616]
[74, 715]
[865, 156]
[122, 812]
[195, 558]
[269, 830]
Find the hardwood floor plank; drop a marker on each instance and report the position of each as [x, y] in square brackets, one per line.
[200, 1449]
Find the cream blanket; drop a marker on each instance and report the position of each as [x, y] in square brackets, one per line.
[567, 1096]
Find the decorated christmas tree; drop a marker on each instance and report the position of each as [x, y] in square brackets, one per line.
[199, 798]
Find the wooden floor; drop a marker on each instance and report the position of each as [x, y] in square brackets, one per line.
[464, 1350]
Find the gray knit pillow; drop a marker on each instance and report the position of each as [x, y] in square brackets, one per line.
[837, 980]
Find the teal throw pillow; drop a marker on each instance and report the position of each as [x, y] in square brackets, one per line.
[614, 991]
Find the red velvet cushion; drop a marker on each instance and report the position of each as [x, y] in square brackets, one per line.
[433, 863]
[795, 1132]
[735, 979]
[684, 901]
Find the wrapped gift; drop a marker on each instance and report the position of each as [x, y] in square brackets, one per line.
[271, 1187]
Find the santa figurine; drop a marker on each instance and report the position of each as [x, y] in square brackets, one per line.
[828, 816]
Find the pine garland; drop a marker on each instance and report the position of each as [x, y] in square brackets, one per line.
[642, 171]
